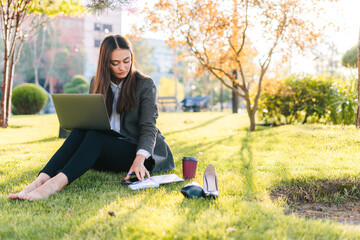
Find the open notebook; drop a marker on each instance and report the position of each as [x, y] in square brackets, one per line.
[156, 181]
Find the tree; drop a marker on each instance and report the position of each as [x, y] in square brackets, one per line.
[78, 84]
[324, 54]
[103, 5]
[141, 48]
[37, 54]
[167, 88]
[19, 19]
[46, 51]
[228, 36]
[349, 59]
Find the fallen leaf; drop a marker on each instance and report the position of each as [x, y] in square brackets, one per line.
[307, 196]
[230, 229]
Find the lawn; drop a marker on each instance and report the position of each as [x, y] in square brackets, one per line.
[249, 166]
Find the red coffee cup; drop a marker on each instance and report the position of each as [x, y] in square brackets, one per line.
[189, 167]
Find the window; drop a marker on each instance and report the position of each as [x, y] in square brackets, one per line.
[107, 28]
[97, 43]
[97, 27]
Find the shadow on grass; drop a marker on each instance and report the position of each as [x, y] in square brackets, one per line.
[49, 139]
[124, 217]
[67, 209]
[247, 168]
[183, 147]
[121, 216]
[196, 207]
[19, 126]
[16, 145]
[195, 127]
[11, 183]
[260, 128]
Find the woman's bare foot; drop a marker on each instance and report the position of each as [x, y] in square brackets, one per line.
[50, 187]
[40, 180]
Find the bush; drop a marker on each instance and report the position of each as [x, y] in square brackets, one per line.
[344, 102]
[28, 98]
[300, 99]
[78, 84]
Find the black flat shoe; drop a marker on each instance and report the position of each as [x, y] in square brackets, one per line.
[192, 190]
[211, 188]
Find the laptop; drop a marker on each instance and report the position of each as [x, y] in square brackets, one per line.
[83, 111]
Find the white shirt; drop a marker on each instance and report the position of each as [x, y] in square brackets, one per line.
[115, 117]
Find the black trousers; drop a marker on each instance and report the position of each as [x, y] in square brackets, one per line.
[89, 149]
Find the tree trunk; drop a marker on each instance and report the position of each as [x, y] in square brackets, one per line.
[7, 87]
[48, 79]
[221, 97]
[5, 94]
[235, 100]
[252, 122]
[358, 65]
[251, 113]
[235, 97]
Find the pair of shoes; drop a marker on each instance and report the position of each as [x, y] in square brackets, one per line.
[210, 190]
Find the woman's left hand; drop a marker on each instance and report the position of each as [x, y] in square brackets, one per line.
[138, 168]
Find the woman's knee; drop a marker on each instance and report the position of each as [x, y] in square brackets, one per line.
[77, 132]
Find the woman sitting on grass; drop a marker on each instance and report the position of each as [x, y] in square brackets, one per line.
[131, 103]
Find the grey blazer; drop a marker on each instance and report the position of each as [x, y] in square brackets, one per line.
[139, 124]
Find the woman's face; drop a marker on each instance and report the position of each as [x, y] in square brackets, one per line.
[120, 62]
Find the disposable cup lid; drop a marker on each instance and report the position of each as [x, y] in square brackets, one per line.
[189, 159]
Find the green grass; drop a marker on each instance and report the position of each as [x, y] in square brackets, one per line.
[249, 165]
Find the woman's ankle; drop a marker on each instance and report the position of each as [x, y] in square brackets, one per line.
[60, 180]
[42, 178]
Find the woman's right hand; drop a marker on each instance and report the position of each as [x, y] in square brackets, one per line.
[138, 168]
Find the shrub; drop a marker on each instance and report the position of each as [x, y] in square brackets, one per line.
[28, 98]
[78, 84]
[344, 102]
[300, 99]
[270, 104]
[312, 96]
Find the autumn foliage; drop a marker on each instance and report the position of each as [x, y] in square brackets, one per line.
[238, 36]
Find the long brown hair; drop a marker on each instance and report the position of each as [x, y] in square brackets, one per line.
[127, 99]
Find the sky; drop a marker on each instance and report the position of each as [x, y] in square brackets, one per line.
[346, 13]
[349, 15]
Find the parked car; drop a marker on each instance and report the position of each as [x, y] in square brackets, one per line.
[195, 104]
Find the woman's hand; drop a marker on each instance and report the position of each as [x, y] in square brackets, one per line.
[138, 168]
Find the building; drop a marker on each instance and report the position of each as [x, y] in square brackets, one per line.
[95, 30]
[84, 35]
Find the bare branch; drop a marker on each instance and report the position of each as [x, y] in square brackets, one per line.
[246, 26]
[226, 84]
[19, 49]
